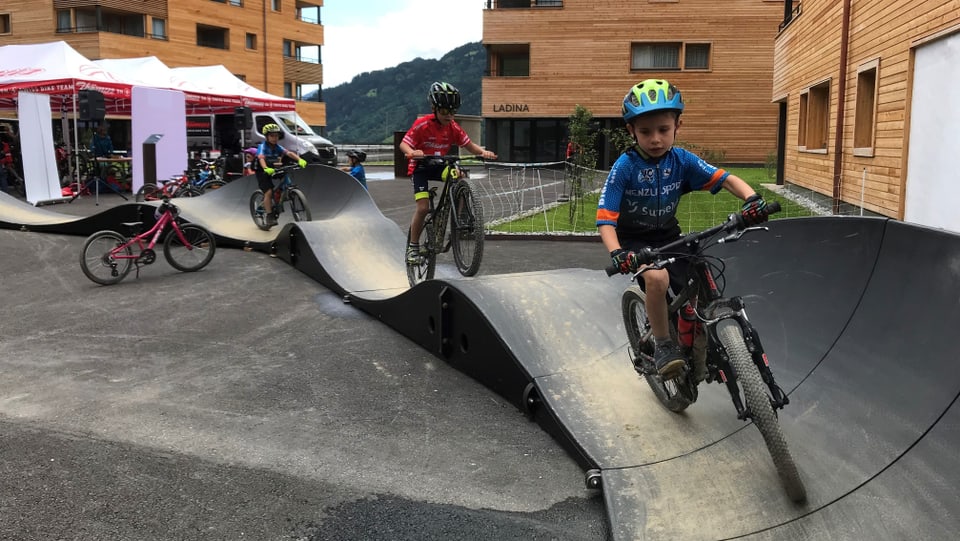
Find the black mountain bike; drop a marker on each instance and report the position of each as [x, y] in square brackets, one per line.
[458, 205]
[285, 193]
[723, 339]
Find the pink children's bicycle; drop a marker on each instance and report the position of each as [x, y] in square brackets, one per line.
[108, 256]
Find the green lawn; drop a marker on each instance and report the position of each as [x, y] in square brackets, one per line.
[698, 210]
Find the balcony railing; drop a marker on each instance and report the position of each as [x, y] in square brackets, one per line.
[509, 4]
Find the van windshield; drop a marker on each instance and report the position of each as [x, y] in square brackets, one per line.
[295, 124]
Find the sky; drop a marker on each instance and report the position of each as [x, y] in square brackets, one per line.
[370, 35]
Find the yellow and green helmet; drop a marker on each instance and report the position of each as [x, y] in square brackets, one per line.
[649, 96]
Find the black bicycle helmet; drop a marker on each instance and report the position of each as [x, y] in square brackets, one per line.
[444, 95]
[358, 154]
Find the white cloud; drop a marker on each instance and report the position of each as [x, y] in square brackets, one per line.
[419, 28]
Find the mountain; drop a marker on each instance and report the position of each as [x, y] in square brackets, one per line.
[375, 104]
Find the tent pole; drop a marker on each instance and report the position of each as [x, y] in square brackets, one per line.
[76, 143]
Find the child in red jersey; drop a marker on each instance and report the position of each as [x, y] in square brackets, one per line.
[433, 135]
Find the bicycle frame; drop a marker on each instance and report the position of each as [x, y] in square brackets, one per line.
[153, 233]
[440, 207]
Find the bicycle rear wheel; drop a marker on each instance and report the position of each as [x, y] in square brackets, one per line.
[195, 254]
[256, 210]
[758, 402]
[97, 263]
[675, 394]
[427, 262]
[298, 205]
[466, 229]
[148, 192]
[211, 185]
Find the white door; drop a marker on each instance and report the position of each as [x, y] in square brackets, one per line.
[933, 190]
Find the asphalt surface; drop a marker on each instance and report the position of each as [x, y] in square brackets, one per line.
[246, 401]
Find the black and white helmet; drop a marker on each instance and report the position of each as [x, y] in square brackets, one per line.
[444, 95]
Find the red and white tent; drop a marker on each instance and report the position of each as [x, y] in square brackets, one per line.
[60, 71]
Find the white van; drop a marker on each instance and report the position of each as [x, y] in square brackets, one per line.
[296, 135]
[206, 132]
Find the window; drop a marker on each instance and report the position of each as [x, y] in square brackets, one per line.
[814, 117]
[130, 24]
[238, 3]
[86, 20]
[275, 6]
[666, 56]
[655, 56]
[866, 114]
[287, 90]
[159, 29]
[64, 23]
[251, 41]
[212, 36]
[5, 23]
[287, 49]
[696, 56]
[509, 60]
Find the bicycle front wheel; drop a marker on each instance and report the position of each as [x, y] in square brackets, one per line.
[97, 262]
[256, 210]
[211, 185]
[466, 229]
[148, 192]
[192, 255]
[298, 205]
[675, 394]
[758, 402]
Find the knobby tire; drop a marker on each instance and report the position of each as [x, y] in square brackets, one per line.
[676, 394]
[298, 205]
[257, 213]
[96, 262]
[758, 402]
[466, 229]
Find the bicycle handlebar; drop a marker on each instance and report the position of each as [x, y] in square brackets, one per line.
[654, 257]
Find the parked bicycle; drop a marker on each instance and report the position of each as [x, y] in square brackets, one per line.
[718, 341]
[458, 206]
[178, 186]
[284, 193]
[108, 256]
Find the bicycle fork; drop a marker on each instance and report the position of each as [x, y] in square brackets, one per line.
[778, 399]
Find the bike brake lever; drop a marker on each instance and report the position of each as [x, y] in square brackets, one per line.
[733, 237]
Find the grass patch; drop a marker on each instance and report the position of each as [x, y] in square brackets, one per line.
[697, 211]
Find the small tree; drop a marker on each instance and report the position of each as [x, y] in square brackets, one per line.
[583, 136]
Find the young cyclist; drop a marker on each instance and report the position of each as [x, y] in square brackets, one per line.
[638, 203]
[433, 135]
[269, 155]
[355, 168]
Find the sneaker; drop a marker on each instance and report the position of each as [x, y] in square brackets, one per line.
[413, 255]
[271, 219]
[669, 360]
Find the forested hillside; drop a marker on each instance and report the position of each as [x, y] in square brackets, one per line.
[375, 104]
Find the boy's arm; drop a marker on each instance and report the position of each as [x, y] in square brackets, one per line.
[409, 151]
[478, 150]
[738, 187]
[608, 234]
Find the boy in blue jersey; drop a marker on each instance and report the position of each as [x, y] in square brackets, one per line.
[639, 200]
[270, 154]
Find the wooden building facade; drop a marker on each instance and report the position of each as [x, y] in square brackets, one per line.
[857, 81]
[547, 56]
[273, 45]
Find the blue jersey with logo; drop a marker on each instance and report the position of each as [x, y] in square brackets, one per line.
[641, 195]
[272, 154]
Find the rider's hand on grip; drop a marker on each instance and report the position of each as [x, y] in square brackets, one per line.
[624, 260]
[754, 210]
[302, 163]
[269, 170]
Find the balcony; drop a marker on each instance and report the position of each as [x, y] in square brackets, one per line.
[523, 4]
